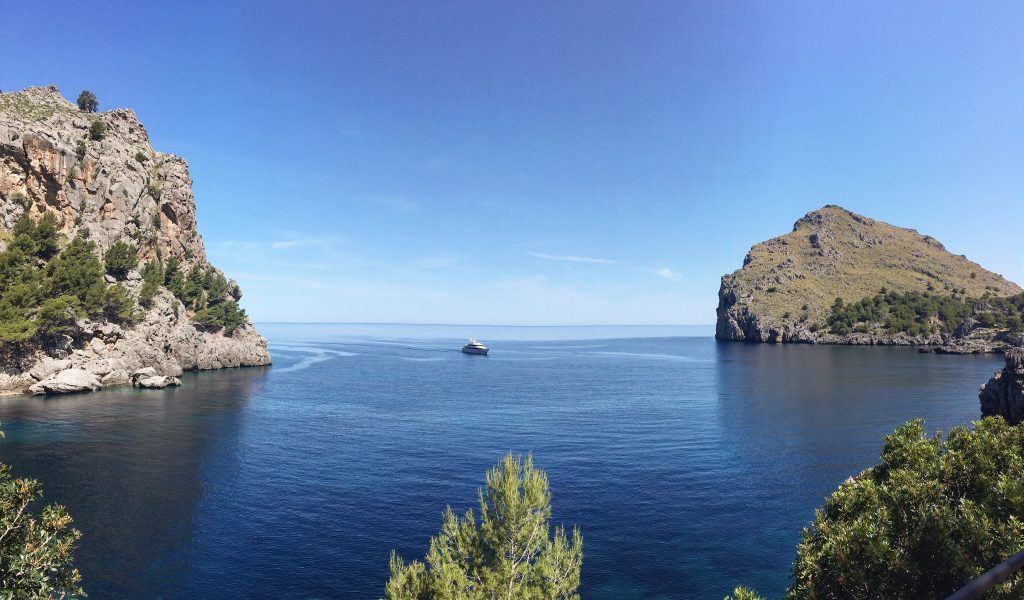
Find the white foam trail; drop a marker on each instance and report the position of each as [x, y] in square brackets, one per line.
[318, 355]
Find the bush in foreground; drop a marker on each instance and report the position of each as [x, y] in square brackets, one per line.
[934, 515]
[35, 548]
[510, 553]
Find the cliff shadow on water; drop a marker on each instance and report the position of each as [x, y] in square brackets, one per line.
[131, 466]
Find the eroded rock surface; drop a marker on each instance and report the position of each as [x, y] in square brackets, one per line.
[1003, 395]
[114, 188]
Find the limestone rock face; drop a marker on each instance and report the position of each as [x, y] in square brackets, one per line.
[68, 381]
[788, 283]
[120, 188]
[115, 188]
[1004, 393]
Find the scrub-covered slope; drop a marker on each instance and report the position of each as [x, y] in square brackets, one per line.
[839, 277]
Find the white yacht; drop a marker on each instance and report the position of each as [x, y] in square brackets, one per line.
[474, 347]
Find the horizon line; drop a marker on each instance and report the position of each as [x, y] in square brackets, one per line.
[479, 324]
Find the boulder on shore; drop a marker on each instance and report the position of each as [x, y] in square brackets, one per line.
[68, 381]
[157, 382]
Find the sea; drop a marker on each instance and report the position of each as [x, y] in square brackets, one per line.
[689, 465]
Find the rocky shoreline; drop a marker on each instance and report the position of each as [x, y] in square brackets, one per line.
[741, 325]
[164, 345]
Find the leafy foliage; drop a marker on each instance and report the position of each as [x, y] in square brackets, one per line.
[57, 316]
[15, 326]
[78, 272]
[152, 279]
[923, 313]
[35, 548]
[744, 593]
[933, 516]
[97, 130]
[121, 258]
[44, 291]
[227, 315]
[510, 553]
[209, 294]
[87, 101]
[118, 304]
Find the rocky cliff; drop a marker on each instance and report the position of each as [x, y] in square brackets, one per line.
[100, 179]
[788, 287]
[1004, 393]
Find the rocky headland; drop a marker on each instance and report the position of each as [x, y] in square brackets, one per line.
[842, 278]
[79, 189]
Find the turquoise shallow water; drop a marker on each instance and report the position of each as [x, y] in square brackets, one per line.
[690, 465]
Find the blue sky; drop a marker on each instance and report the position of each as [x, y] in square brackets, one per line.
[548, 162]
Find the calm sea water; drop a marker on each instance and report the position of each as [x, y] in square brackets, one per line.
[689, 465]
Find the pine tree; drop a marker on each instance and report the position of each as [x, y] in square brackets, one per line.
[511, 553]
[87, 101]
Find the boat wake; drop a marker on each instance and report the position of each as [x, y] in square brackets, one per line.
[315, 355]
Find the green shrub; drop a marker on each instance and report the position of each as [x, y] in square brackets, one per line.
[58, 316]
[224, 315]
[87, 102]
[931, 517]
[121, 258]
[77, 271]
[152, 278]
[139, 156]
[118, 304]
[97, 130]
[154, 189]
[15, 326]
[47, 236]
[80, 150]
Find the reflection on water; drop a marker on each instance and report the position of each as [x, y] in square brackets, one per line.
[689, 465]
[128, 466]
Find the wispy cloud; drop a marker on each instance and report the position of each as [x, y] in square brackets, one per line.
[666, 273]
[570, 258]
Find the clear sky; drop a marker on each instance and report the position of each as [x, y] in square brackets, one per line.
[548, 162]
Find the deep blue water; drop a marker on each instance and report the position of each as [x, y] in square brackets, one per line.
[689, 465]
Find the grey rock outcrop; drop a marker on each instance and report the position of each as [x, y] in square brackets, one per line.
[114, 188]
[157, 382]
[119, 188]
[68, 381]
[1004, 393]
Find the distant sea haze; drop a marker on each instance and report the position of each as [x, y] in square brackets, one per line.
[498, 332]
[689, 465]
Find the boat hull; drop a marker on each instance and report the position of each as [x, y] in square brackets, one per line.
[480, 351]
